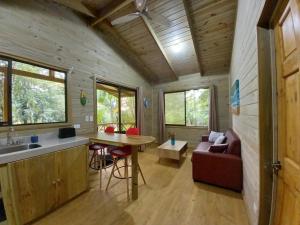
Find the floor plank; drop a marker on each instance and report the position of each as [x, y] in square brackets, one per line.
[169, 198]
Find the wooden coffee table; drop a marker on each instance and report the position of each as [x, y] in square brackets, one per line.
[166, 150]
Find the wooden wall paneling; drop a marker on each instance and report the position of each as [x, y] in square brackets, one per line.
[213, 25]
[51, 40]
[190, 134]
[176, 39]
[76, 5]
[139, 38]
[192, 31]
[110, 9]
[160, 46]
[244, 66]
[125, 49]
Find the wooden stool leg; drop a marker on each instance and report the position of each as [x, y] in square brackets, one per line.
[100, 161]
[104, 158]
[127, 179]
[112, 171]
[92, 159]
[118, 168]
[142, 174]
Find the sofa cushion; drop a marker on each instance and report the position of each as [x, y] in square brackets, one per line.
[203, 146]
[220, 140]
[218, 148]
[234, 143]
[214, 135]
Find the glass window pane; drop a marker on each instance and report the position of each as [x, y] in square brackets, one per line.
[30, 68]
[3, 93]
[37, 101]
[59, 75]
[127, 109]
[175, 108]
[197, 107]
[107, 107]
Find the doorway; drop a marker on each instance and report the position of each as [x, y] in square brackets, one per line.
[279, 88]
[116, 106]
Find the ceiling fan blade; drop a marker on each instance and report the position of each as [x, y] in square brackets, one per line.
[125, 19]
[157, 18]
[140, 5]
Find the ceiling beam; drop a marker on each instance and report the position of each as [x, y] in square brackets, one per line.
[196, 44]
[76, 5]
[110, 9]
[160, 46]
[119, 44]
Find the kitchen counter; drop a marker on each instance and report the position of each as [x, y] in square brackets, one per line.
[48, 143]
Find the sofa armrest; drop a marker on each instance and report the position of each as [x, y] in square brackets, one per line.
[204, 138]
[218, 168]
[218, 148]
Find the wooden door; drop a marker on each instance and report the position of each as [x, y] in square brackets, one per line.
[33, 187]
[287, 39]
[72, 173]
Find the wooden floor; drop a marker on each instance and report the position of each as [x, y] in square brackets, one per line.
[170, 198]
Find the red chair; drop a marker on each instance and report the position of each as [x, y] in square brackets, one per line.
[99, 150]
[124, 153]
[133, 131]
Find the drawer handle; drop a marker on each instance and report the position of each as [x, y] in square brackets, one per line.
[54, 182]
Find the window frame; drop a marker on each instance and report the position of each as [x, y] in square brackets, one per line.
[8, 88]
[120, 88]
[183, 125]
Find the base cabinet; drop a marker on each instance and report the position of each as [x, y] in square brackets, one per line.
[33, 187]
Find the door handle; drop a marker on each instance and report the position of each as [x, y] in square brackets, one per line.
[276, 167]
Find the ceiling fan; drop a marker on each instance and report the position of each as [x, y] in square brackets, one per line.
[143, 12]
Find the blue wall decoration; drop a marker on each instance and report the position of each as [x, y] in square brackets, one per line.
[235, 98]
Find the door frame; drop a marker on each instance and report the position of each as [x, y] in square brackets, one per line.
[267, 87]
[120, 87]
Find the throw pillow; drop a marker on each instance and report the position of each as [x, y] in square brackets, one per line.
[219, 140]
[219, 148]
[213, 136]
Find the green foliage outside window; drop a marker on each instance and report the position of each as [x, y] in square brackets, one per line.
[108, 108]
[188, 108]
[37, 101]
[37, 95]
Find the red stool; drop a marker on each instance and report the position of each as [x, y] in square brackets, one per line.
[124, 153]
[99, 150]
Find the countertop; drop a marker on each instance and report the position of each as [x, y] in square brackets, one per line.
[50, 144]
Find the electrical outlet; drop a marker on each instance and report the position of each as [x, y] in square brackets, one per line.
[76, 126]
[91, 118]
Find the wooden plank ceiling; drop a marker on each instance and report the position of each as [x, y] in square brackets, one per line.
[199, 38]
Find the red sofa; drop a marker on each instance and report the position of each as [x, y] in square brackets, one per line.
[219, 165]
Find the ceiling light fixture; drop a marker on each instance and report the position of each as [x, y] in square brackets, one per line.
[177, 48]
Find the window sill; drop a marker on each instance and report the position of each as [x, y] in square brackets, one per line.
[34, 127]
[187, 127]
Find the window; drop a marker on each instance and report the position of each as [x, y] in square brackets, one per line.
[31, 94]
[187, 108]
[116, 106]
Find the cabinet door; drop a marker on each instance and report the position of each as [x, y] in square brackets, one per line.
[34, 188]
[73, 174]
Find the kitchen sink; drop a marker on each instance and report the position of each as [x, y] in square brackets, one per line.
[16, 148]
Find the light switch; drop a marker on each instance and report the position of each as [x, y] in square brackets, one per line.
[91, 118]
[87, 118]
